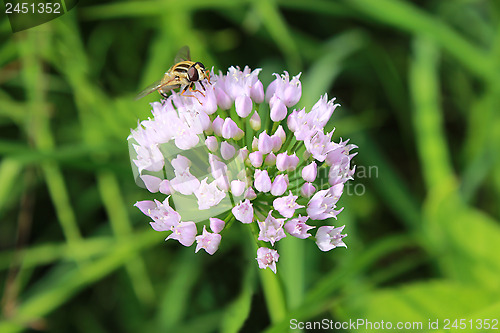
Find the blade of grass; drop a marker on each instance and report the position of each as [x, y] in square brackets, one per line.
[427, 116]
[406, 16]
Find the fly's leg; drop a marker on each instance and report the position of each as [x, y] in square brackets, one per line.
[190, 86]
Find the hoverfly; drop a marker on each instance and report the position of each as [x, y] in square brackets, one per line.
[185, 73]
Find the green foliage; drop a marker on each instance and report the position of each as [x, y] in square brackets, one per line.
[419, 87]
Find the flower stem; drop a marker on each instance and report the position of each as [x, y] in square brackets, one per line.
[295, 146]
[287, 142]
[275, 126]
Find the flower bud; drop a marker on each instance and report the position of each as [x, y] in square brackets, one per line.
[271, 89]
[282, 162]
[242, 154]
[278, 109]
[229, 129]
[227, 150]
[237, 187]
[216, 225]
[255, 144]
[223, 100]
[211, 143]
[262, 181]
[166, 188]
[257, 92]
[152, 182]
[239, 134]
[250, 194]
[255, 122]
[265, 143]
[281, 133]
[293, 161]
[292, 121]
[279, 185]
[255, 158]
[309, 172]
[243, 105]
[293, 91]
[276, 143]
[307, 190]
[217, 125]
[270, 159]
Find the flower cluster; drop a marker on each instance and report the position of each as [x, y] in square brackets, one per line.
[242, 153]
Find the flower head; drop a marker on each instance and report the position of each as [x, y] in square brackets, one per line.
[196, 151]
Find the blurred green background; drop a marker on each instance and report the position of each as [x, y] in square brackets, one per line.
[419, 84]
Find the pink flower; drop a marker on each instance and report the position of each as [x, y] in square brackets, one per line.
[267, 258]
[208, 194]
[164, 217]
[216, 225]
[149, 156]
[243, 212]
[329, 237]
[208, 241]
[319, 145]
[322, 111]
[271, 230]
[322, 204]
[262, 181]
[309, 172]
[183, 182]
[288, 91]
[298, 228]
[286, 206]
[184, 232]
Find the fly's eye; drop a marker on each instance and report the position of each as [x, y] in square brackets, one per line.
[192, 74]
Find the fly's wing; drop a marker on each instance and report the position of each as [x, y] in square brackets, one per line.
[183, 55]
[149, 89]
[168, 82]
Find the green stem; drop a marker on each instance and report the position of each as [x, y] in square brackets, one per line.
[287, 142]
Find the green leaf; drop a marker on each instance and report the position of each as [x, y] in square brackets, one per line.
[237, 312]
[420, 302]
